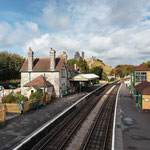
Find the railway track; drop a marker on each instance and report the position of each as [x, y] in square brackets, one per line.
[99, 137]
[59, 137]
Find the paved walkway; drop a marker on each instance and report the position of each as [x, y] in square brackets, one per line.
[135, 126]
[17, 127]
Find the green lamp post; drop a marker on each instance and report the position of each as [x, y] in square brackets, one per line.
[80, 86]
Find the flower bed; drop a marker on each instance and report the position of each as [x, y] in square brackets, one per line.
[28, 105]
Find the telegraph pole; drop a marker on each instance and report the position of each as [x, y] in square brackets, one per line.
[44, 89]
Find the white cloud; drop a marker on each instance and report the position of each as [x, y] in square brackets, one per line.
[116, 31]
[54, 18]
[17, 34]
[32, 26]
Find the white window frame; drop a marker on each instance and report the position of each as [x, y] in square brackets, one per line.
[140, 75]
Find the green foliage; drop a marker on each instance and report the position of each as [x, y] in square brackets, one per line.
[19, 98]
[112, 79]
[82, 64]
[100, 61]
[8, 99]
[10, 65]
[97, 70]
[36, 95]
[12, 82]
[104, 76]
[71, 62]
[146, 63]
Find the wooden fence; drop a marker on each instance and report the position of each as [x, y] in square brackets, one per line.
[2, 113]
[14, 108]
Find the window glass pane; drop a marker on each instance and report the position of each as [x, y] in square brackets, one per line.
[138, 73]
[143, 73]
[140, 76]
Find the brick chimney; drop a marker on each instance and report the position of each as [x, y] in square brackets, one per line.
[30, 59]
[52, 59]
[63, 55]
[75, 66]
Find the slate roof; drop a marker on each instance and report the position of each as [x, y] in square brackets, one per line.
[143, 88]
[43, 64]
[71, 69]
[141, 67]
[39, 81]
[35, 87]
[84, 77]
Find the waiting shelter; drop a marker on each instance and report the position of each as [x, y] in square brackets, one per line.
[84, 80]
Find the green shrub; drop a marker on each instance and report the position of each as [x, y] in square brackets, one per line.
[19, 98]
[8, 99]
[112, 79]
[37, 95]
[104, 76]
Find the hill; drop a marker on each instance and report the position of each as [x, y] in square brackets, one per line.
[122, 70]
[99, 63]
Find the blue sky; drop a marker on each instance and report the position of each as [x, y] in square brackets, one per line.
[115, 31]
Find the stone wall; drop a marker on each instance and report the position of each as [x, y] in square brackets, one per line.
[24, 80]
[52, 77]
[63, 81]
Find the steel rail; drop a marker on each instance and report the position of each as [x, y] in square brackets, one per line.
[50, 137]
[102, 123]
[114, 119]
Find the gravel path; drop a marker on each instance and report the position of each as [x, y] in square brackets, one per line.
[18, 128]
[82, 133]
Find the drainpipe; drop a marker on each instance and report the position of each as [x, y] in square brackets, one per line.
[29, 76]
[80, 86]
[141, 102]
[44, 90]
[67, 81]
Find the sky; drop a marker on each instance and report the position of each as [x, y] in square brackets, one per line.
[115, 31]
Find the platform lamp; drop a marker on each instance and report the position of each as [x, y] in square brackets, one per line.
[44, 88]
[80, 86]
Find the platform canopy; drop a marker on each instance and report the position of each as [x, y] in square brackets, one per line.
[84, 77]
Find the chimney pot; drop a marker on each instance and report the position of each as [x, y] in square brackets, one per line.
[30, 59]
[52, 59]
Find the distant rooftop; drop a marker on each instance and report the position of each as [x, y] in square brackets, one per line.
[143, 88]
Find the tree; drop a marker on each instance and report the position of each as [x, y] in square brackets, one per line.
[10, 65]
[97, 70]
[122, 70]
[104, 76]
[82, 64]
[146, 63]
[72, 61]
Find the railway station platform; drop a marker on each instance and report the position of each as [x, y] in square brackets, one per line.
[132, 126]
[18, 127]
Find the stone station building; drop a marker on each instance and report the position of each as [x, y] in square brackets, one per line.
[52, 70]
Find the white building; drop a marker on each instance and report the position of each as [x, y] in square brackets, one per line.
[52, 73]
